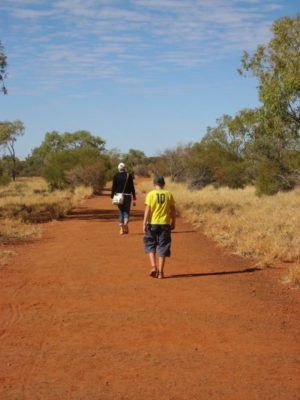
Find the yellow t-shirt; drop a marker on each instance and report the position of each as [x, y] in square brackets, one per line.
[159, 201]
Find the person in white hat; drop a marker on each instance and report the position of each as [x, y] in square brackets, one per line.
[121, 167]
[123, 183]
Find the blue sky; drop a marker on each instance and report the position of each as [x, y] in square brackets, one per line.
[142, 74]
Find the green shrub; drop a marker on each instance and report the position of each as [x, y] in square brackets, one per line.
[75, 166]
[231, 174]
[271, 179]
[90, 175]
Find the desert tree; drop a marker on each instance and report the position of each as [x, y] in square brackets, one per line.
[9, 133]
[276, 131]
[277, 68]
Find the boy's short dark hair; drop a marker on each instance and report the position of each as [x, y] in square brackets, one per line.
[159, 180]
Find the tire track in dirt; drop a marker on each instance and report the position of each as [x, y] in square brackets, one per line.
[82, 319]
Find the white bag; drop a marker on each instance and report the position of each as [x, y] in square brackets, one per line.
[118, 198]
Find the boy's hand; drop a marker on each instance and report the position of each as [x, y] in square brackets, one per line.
[134, 203]
[172, 226]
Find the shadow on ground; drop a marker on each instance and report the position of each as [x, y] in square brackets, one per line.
[176, 232]
[99, 214]
[199, 275]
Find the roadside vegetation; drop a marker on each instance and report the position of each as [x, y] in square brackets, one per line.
[29, 200]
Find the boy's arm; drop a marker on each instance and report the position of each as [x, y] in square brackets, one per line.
[173, 216]
[146, 218]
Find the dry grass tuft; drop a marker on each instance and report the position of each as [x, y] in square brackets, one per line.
[15, 231]
[5, 255]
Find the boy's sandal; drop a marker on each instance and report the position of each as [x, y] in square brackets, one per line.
[160, 275]
[153, 273]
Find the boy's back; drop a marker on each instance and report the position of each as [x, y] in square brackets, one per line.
[159, 201]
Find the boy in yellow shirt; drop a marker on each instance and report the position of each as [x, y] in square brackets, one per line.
[159, 219]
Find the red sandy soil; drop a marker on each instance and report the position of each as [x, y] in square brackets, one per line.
[81, 319]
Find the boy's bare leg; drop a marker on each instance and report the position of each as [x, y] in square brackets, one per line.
[161, 264]
[152, 259]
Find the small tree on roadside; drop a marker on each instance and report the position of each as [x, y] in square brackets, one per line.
[11, 167]
[177, 162]
[219, 157]
[9, 132]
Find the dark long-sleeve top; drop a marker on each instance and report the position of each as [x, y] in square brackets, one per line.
[119, 182]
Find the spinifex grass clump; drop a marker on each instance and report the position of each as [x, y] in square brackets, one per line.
[15, 231]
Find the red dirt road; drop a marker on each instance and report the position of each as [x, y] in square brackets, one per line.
[81, 319]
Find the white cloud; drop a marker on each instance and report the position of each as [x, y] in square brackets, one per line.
[32, 14]
[110, 38]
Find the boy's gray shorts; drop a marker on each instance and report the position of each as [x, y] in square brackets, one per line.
[158, 236]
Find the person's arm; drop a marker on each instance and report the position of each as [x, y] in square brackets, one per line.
[132, 188]
[113, 189]
[173, 216]
[146, 218]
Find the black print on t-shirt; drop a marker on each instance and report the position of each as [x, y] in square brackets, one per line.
[161, 198]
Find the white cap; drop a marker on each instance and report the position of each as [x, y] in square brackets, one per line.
[121, 166]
